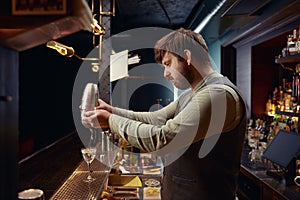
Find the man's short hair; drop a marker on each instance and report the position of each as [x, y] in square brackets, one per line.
[179, 40]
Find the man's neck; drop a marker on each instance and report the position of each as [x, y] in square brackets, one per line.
[199, 77]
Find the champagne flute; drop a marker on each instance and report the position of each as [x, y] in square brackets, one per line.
[89, 155]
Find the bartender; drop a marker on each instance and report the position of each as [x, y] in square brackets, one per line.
[199, 136]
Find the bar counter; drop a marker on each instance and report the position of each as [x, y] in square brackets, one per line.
[59, 169]
[256, 184]
[50, 167]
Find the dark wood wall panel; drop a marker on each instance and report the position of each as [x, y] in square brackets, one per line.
[9, 84]
[228, 64]
[264, 77]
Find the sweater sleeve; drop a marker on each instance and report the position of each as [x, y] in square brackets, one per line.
[206, 113]
[158, 117]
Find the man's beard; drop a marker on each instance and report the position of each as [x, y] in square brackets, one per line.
[185, 79]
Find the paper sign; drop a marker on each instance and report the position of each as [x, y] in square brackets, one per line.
[119, 65]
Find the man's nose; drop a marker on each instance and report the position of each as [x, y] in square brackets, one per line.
[166, 73]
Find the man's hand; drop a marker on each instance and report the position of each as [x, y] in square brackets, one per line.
[103, 105]
[97, 118]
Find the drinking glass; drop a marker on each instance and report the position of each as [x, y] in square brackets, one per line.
[89, 155]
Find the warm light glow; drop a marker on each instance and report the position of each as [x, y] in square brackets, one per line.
[65, 50]
[61, 49]
[98, 29]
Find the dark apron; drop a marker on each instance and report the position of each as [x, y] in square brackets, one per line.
[213, 177]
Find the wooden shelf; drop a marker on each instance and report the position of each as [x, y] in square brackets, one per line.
[288, 59]
[292, 114]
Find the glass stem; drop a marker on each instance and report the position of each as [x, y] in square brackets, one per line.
[90, 171]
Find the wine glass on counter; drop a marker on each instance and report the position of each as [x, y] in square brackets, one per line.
[89, 154]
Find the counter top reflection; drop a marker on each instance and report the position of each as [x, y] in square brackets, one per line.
[256, 184]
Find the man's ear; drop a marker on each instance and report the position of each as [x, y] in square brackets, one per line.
[188, 55]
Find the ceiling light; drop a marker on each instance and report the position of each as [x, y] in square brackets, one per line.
[209, 16]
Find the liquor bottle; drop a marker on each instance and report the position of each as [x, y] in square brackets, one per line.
[281, 99]
[249, 130]
[292, 40]
[298, 40]
[290, 44]
[284, 84]
[295, 39]
[295, 85]
[295, 36]
[289, 89]
[269, 106]
[275, 100]
[287, 102]
[298, 81]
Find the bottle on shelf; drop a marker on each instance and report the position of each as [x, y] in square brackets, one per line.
[291, 43]
[295, 84]
[298, 40]
[285, 97]
[275, 99]
[269, 106]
